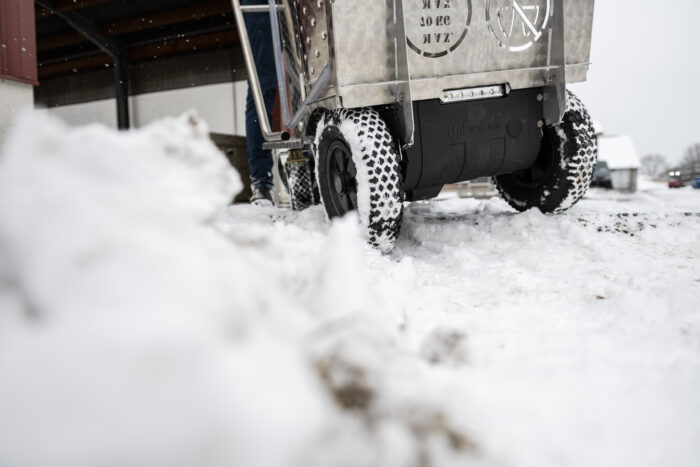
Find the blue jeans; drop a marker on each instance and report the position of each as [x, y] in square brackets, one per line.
[260, 160]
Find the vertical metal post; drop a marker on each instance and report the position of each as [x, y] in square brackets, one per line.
[121, 84]
[111, 47]
[253, 79]
[555, 91]
[396, 29]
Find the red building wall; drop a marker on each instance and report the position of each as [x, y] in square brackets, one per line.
[18, 41]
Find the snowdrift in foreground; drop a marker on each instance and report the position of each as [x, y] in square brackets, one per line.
[134, 332]
[145, 322]
[139, 335]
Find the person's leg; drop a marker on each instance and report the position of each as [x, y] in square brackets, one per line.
[259, 160]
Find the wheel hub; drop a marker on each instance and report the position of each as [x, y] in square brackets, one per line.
[341, 177]
[340, 182]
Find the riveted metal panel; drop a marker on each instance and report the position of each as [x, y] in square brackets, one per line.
[455, 43]
[314, 37]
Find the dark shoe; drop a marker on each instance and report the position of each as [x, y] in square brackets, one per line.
[262, 197]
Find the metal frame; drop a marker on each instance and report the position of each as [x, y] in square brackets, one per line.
[363, 44]
[555, 91]
[111, 47]
[289, 120]
[253, 79]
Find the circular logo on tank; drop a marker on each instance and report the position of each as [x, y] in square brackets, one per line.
[518, 24]
[435, 28]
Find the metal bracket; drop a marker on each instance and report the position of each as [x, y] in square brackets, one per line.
[555, 90]
[294, 143]
[396, 30]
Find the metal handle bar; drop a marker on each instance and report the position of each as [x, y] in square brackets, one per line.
[259, 8]
[279, 65]
[318, 88]
[253, 78]
[316, 91]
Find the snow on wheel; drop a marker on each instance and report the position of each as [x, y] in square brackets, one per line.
[297, 174]
[358, 169]
[562, 173]
[301, 188]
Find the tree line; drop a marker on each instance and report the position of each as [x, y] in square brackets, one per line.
[656, 165]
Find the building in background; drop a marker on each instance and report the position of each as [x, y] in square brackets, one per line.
[126, 64]
[622, 160]
[18, 65]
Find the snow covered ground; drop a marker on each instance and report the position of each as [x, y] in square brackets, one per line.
[145, 322]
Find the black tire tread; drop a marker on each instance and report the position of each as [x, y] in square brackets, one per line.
[379, 159]
[576, 160]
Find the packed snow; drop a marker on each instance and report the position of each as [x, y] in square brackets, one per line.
[145, 322]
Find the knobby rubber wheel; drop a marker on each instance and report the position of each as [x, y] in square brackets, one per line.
[562, 173]
[358, 169]
[300, 182]
[301, 186]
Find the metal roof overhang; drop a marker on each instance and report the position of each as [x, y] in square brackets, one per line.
[77, 36]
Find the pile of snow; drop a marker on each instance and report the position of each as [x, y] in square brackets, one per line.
[143, 321]
[141, 325]
[131, 331]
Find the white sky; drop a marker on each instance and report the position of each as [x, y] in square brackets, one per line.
[645, 73]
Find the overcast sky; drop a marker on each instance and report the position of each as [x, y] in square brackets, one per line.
[645, 76]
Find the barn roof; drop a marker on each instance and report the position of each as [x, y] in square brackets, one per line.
[618, 151]
[148, 30]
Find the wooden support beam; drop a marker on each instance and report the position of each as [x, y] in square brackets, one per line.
[144, 53]
[179, 15]
[75, 66]
[68, 5]
[85, 26]
[142, 23]
[184, 46]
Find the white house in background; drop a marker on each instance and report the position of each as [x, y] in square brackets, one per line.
[622, 159]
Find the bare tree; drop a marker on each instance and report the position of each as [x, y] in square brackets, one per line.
[691, 159]
[654, 165]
